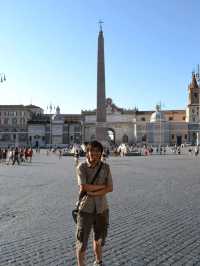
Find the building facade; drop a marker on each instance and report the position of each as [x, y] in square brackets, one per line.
[157, 127]
[14, 123]
[54, 129]
[28, 125]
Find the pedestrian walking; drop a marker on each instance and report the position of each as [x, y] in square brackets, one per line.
[76, 157]
[4, 155]
[196, 150]
[30, 154]
[178, 150]
[157, 150]
[16, 156]
[190, 150]
[93, 211]
[10, 156]
[60, 154]
[26, 154]
[1, 155]
[21, 155]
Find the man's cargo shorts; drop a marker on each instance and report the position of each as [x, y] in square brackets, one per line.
[87, 221]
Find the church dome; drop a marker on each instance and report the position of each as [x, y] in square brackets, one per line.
[157, 116]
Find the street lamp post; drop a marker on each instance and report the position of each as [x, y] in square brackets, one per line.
[82, 132]
[51, 122]
[160, 129]
[197, 75]
[51, 108]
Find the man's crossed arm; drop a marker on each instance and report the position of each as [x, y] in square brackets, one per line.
[96, 190]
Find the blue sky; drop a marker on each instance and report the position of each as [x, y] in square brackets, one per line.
[48, 51]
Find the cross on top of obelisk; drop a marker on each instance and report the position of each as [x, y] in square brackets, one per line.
[100, 24]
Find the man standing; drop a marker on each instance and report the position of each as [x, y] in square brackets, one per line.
[93, 210]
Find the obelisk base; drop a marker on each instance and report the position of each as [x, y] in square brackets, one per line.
[102, 135]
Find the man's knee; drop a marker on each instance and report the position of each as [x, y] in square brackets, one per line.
[98, 243]
[80, 252]
[81, 240]
[80, 247]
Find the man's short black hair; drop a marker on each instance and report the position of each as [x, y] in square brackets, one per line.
[95, 145]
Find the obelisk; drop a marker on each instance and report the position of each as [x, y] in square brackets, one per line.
[101, 132]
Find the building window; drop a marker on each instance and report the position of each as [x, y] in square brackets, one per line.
[183, 118]
[14, 121]
[195, 95]
[172, 136]
[144, 138]
[125, 139]
[77, 129]
[92, 137]
[36, 137]
[5, 121]
[22, 137]
[185, 136]
[6, 137]
[143, 119]
[193, 111]
[171, 118]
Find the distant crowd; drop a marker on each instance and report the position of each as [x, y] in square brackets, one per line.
[19, 155]
[125, 149]
[10, 156]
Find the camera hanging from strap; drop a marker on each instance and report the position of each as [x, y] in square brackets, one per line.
[84, 193]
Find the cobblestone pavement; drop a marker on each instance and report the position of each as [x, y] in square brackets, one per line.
[155, 212]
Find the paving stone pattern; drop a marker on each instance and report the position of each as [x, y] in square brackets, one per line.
[155, 212]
